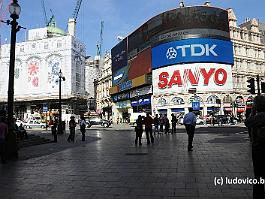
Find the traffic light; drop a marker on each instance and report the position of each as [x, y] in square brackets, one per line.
[251, 85]
[263, 87]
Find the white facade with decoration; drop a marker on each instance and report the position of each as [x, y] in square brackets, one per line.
[37, 65]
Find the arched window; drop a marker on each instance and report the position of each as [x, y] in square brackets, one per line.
[227, 99]
[195, 99]
[162, 102]
[177, 101]
[212, 99]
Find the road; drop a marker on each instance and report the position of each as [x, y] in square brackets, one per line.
[109, 165]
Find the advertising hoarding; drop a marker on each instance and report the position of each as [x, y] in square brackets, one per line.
[205, 77]
[119, 55]
[193, 50]
[198, 17]
[140, 65]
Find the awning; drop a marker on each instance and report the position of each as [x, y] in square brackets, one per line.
[175, 110]
[228, 109]
[241, 109]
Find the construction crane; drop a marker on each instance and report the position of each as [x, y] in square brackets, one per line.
[44, 13]
[100, 43]
[76, 10]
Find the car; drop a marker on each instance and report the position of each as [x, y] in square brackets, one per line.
[18, 122]
[97, 121]
[34, 124]
[200, 121]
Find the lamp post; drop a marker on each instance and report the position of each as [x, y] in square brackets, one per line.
[14, 10]
[61, 77]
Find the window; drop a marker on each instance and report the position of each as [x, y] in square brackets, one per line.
[46, 46]
[59, 44]
[177, 101]
[22, 49]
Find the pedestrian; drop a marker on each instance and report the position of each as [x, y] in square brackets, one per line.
[3, 133]
[83, 127]
[139, 130]
[174, 123]
[248, 113]
[161, 123]
[156, 123]
[148, 121]
[167, 125]
[190, 122]
[72, 125]
[256, 121]
[54, 129]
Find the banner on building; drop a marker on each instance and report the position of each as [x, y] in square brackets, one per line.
[193, 51]
[205, 77]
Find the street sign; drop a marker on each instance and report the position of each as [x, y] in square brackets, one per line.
[45, 108]
[196, 106]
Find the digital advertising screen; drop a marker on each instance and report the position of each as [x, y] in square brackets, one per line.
[193, 51]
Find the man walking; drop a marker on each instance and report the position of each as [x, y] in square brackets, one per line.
[256, 121]
[190, 122]
[83, 127]
[54, 129]
[72, 125]
[174, 123]
[148, 121]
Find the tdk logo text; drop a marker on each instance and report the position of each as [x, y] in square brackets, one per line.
[193, 50]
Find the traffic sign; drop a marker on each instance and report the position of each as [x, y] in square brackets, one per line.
[196, 106]
[45, 107]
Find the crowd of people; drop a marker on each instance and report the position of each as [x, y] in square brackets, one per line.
[162, 125]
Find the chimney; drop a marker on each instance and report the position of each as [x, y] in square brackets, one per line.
[71, 27]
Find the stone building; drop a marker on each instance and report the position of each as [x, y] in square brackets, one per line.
[103, 84]
[38, 62]
[249, 61]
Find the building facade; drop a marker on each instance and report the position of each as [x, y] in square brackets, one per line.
[102, 85]
[225, 93]
[38, 62]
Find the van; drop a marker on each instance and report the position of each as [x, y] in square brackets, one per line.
[134, 116]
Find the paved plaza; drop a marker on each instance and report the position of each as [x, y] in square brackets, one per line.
[109, 165]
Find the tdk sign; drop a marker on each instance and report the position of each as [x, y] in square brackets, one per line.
[192, 51]
[196, 50]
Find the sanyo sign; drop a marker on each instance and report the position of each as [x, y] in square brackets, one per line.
[202, 76]
[193, 50]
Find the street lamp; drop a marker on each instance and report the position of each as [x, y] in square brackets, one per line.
[61, 77]
[14, 10]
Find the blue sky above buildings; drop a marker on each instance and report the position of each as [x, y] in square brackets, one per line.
[120, 17]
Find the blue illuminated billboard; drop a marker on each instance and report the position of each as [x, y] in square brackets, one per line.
[193, 51]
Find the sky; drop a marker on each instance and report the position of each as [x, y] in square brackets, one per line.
[121, 17]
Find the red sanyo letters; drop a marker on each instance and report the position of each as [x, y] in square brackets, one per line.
[219, 77]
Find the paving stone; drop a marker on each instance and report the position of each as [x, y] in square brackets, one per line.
[100, 168]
